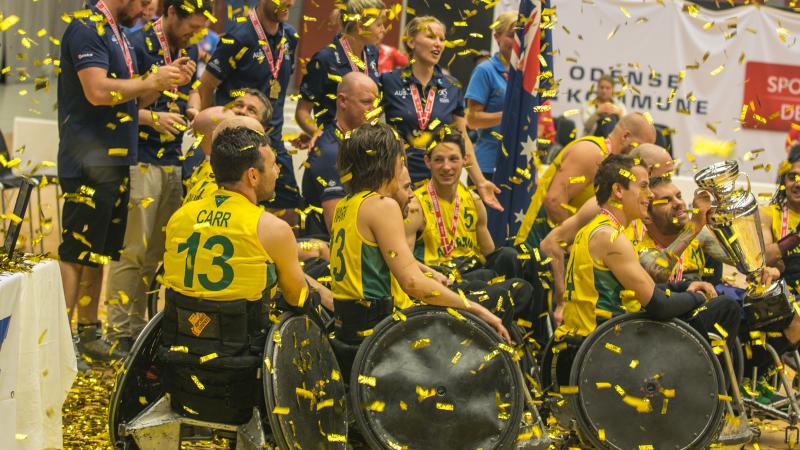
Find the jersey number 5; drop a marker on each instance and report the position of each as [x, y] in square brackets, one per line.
[220, 261]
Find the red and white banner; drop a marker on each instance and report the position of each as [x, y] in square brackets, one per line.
[713, 76]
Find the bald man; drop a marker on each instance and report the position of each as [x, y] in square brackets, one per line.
[355, 97]
[569, 181]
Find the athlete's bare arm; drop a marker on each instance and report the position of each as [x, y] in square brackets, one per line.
[617, 253]
[485, 241]
[576, 172]
[278, 240]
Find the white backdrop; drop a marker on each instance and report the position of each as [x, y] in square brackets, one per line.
[664, 40]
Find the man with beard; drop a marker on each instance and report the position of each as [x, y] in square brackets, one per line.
[155, 182]
[259, 53]
[98, 127]
[567, 183]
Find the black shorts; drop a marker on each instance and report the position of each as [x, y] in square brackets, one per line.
[287, 194]
[94, 216]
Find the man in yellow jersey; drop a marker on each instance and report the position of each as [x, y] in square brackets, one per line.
[446, 226]
[567, 183]
[370, 258]
[604, 278]
[781, 220]
[559, 239]
[225, 257]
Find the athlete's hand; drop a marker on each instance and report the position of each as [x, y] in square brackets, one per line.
[704, 288]
[701, 205]
[487, 190]
[187, 69]
[491, 319]
[769, 275]
[558, 314]
[165, 78]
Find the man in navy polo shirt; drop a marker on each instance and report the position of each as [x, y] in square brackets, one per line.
[259, 53]
[355, 97]
[98, 125]
[155, 183]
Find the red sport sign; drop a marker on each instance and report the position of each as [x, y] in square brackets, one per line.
[774, 91]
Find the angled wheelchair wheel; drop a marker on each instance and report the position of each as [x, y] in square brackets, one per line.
[138, 383]
[433, 379]
[303, 387]
[154, 293]
[642, 382]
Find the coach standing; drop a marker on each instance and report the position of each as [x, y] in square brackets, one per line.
[155, 182]
[98, 126]
[259, 53]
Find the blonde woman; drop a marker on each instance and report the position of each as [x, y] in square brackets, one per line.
[419, 97]
[355, 48]
[486, 94]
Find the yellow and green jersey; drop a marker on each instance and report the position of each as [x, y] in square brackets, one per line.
[213, 251]
[201, 183]
[535, 225]
[592, 292]
[692, 263]
[358, 270]
[779, 229]
[430, 248]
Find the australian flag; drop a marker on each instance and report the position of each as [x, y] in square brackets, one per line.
[515, 172]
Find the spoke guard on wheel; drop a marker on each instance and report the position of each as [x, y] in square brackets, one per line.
[304, 390]
[645, 382]
[432, 379]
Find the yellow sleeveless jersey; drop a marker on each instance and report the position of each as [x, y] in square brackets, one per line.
[792, 221]
[358, 270]
[692, 263]
[535, 225]
[592, 291]
[430, 249]
[201, 183]
[213, 251]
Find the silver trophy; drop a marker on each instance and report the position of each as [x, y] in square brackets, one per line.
[736, 223]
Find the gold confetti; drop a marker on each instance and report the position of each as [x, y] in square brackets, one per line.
[207, 358]
[420, 343]
[445, 406]
[613, 348]
[367, 380]
[280, 410]
[198, 383]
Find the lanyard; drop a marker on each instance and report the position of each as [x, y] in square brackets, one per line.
[611, 216]
[784, 222]
[158, 27]
[353, 59]
[273, 67]
[447, 245]
[423, 117]
[128, 60]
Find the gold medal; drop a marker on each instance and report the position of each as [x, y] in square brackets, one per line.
[274, 89]
[173, 107]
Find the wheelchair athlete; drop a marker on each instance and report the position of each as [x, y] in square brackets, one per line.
[225, 258]
[605, 279]
[372, 268]
[447, 228]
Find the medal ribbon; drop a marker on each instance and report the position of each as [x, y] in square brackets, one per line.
[784, 222]
[611, 216]
[273, 67]
[348, 51]
[158, 27]
[423, 117]
[101, 6]
[447, 245]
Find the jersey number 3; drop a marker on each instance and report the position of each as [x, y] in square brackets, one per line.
[192, 244]
[338, 270]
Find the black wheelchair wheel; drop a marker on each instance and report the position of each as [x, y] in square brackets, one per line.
[154, 292]
[434, 379]
[644, 382]
[303, 387]
[138, 383]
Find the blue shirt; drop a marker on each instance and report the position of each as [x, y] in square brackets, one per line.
[321, 179]
[152, 149]
[87, 132]
[324, 72]
[251, 69]
[488, 87]
[401, 114]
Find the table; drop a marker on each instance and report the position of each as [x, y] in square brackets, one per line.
[37, 361]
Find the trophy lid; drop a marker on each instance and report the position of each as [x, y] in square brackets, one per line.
[719, 178]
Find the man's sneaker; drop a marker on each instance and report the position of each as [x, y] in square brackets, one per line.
[768, 393]
[81, 363]
[95, 346]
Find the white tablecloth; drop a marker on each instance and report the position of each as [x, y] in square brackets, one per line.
[37, 362]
